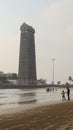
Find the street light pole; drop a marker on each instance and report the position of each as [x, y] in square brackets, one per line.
[53, 69]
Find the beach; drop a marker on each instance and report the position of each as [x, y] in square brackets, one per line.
[57, 116]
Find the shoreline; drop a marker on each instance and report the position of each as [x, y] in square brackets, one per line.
[25, 107]
[57, 116]
[31, 86]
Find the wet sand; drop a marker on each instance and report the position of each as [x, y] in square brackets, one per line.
[50, 117]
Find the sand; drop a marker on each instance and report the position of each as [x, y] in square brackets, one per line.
[50, 117]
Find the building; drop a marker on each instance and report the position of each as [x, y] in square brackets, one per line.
[27, 62]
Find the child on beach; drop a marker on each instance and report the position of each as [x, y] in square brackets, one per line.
[63, 95]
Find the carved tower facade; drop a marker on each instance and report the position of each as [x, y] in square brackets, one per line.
[27, 60]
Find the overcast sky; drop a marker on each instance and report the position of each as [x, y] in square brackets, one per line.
[53, 23]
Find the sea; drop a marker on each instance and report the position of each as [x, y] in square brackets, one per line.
[16, 99]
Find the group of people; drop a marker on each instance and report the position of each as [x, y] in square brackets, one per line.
[51, 89]
[67, 92]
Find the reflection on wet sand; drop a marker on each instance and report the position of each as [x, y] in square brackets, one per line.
[13, 97]
[27, 97]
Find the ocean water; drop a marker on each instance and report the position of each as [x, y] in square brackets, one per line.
[16, 98]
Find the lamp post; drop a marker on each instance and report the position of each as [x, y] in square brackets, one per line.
[53, 69]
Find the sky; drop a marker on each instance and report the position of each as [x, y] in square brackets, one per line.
[53, 23]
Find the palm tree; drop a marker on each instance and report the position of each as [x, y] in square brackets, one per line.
[59, 82]
[70, 79]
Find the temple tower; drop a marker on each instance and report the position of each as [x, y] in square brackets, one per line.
[27, 62]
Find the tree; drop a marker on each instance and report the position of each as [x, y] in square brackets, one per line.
[12, 76]
[3, 79]
[59, 82]
[70, 79]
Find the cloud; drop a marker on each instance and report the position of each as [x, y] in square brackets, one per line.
[55, 31]
[58, 13]
[57, 17]
[56, 22]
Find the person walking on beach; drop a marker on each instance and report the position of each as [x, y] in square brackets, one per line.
[63, 95]
[68, 93]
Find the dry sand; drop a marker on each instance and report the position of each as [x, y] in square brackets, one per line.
[51, 117]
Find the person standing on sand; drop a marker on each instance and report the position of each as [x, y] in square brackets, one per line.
[68, 93]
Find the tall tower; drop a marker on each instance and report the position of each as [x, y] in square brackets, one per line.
[27, 62]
